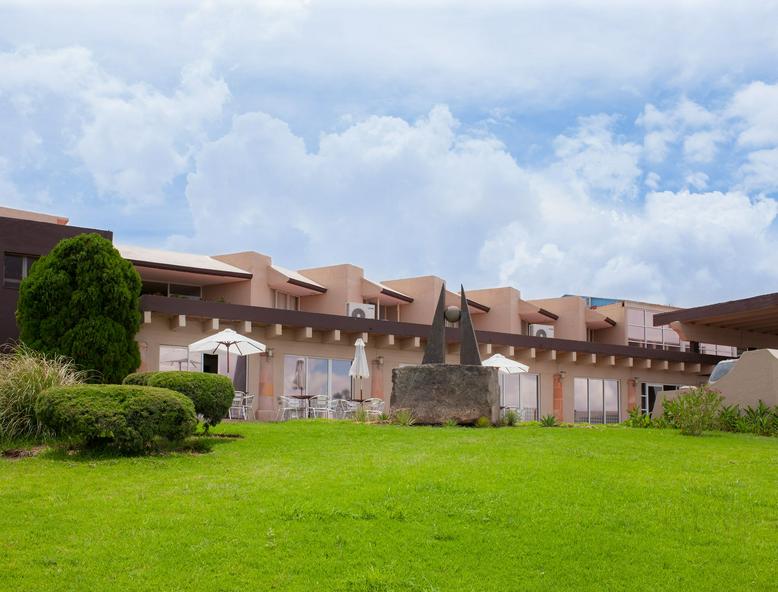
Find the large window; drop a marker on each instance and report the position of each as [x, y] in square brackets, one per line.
[176, 357]
[16, 268]
[317, 376]
[186, 291]
[596, 400]
[521, 393]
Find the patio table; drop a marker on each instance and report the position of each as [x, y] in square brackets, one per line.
[307, 399]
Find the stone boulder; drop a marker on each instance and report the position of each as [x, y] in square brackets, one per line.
[438, 392]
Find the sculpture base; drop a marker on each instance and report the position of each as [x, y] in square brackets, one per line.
[439, 392]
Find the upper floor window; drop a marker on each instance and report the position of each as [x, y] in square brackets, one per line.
[175, 290]
[16, 268]
[285, 301]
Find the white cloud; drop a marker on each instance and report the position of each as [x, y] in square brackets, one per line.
[652, 180]
[412, 197]
[594, 157]
[698, 180]
[701, 146]
[756, 106]
[760, 171]
[660, 251]
[131, 138]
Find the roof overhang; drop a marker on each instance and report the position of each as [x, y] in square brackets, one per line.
[383, 294]
[748, 322]
[535, 314]
[454, 299]
[291, 282]
[171, 266]
[596, 320]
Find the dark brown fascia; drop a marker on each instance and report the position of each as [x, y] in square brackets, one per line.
[307, 286]
[478, 305]
[549, 314]
[397, 295]
[201, 270]
[610, 321]
[328, 322]
[718, 309]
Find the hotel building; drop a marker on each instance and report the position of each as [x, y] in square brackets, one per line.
[589, 359]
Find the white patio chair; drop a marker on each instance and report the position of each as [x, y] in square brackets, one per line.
[374, 407]
[237, 408]
[341, 408]
[248, 403]
[290, 408]
[319, 406]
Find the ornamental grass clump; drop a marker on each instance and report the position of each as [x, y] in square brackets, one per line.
[24, 374]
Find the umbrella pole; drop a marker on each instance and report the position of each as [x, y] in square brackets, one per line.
[228, 359]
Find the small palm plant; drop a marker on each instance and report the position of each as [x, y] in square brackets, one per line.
[511, 418]
[549, 421]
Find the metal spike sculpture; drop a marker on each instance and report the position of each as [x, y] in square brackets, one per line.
[468, 347]
[435, 351]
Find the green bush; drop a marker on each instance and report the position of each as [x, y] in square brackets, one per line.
[728, 419]
[694, 411]
[510, 418]
[128, 418]
[549, 421]
[212, 394]
[138, 378]
[761, 420]
[450, 423]
[638, 419]
[24, 374]
[81, 301]
[482, 422]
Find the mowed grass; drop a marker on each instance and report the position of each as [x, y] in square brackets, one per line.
[341, 506]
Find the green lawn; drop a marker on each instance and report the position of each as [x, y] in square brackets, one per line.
[341, 506]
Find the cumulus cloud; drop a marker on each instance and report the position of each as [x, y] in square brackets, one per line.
[756, 106]
[130, 137]
[399, 196]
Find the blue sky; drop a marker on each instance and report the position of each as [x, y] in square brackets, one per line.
[560, 147]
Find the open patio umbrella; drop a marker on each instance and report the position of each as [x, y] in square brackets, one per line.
[223, 341]
[359, 368]
[505, 364]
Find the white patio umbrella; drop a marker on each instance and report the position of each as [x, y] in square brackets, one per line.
[359, 368]
[505, 364]
[222, 341]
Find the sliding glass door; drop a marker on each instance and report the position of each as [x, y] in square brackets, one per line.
[596, 400]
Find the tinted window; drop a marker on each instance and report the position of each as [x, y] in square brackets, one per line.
[721, 370]
[14, 268]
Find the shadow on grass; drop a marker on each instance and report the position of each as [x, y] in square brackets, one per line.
[195, 446]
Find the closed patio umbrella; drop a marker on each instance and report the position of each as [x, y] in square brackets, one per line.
[223, 341]
[359, 368]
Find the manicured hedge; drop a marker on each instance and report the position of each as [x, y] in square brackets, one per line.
[138, 378]
[211, 394]
[130, 418]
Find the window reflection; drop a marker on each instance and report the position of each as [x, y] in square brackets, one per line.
[317, 376]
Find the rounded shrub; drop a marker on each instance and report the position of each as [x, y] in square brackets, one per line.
[138, 378]
[129, 418]
[212, 394]
[81, 301]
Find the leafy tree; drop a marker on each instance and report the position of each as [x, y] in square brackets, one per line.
[81, 301]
